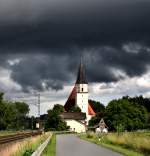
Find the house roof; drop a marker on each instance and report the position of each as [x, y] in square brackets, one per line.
[101, 124]
[73, 115]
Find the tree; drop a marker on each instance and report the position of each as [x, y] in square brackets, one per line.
[1, 97]
[97, 106]
[12, 114]
[141, 101]
[96, 119]
[3, 123]
[54, 120]
[21, 110]
[75, 109]
[99, 109]
[123, 112]
[58, 108]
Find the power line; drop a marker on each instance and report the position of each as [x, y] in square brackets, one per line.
[28, 98]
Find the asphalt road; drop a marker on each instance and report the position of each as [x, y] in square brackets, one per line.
[70, 145]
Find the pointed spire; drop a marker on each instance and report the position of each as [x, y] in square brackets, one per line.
[81, 78]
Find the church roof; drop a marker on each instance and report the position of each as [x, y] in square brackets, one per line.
[71, 100]
[90, 110]
[81, 78]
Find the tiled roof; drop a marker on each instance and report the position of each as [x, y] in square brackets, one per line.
[71, 100]
[73, 115]
[90, 110]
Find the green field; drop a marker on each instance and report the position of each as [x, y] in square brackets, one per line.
[129, 143]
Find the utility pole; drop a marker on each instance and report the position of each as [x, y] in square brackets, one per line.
[39, 110]
[38, 105]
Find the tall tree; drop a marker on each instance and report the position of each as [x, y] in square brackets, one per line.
[54, 121]
[58, 108]
[12, 114]
[3, 123]
[99, 109]
[123, 112]
[97, 106]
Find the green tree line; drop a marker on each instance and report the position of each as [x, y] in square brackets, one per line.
[13, 115]
[129, 113]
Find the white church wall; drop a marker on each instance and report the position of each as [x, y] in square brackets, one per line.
[76, 126]
[82, 101]
[82, 97]
[82, 88]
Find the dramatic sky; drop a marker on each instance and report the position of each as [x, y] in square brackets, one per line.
[41, 42]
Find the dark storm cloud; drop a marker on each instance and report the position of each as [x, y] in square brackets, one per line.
[54, 24]
[55, 70]
[106, 61]
[48, 38]
[42, 71]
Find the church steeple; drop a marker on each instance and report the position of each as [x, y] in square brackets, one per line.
[81, 78]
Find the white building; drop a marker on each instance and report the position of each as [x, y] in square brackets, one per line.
[76, 121]
[79, 98]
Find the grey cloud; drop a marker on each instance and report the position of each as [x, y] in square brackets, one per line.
[56, 70]
[56, 24]
[50, 36]
[36, 69]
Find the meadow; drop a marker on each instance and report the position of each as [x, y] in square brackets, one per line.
[127, 143]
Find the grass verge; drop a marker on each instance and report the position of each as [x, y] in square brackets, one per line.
[28, 146]
[116, 148]
[51, 147]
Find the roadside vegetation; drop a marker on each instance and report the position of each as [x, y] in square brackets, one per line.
[128, 143]
[25, 147]
[50, 150]
[28, 147]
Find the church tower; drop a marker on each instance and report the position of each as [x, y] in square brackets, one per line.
[81, 99]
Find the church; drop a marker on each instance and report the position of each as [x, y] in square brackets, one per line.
[78, 121]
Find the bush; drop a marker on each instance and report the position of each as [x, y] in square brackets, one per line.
[90, 135]
[28, 152]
